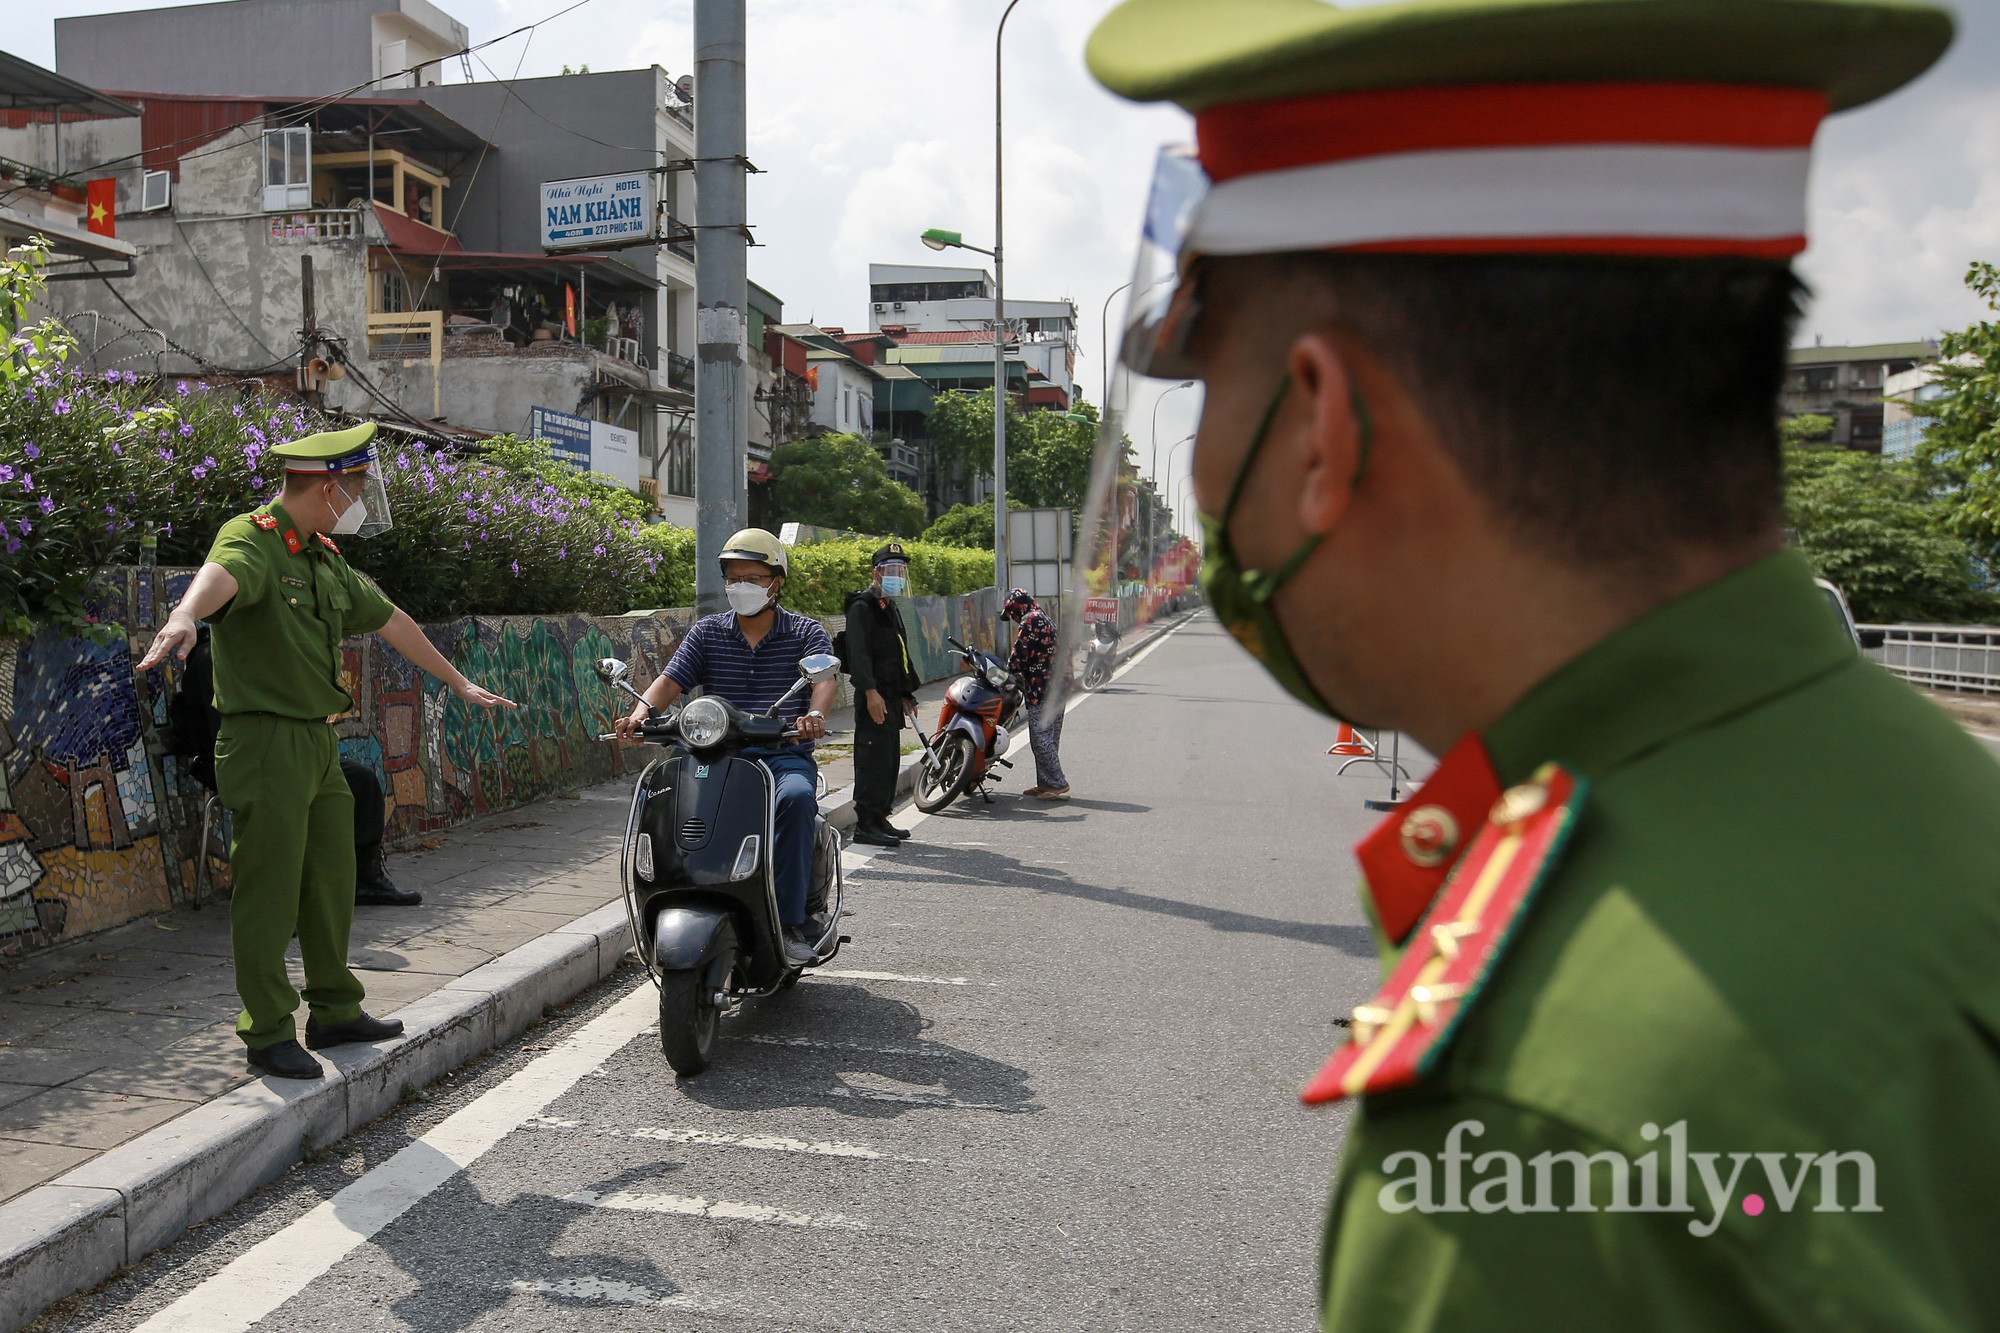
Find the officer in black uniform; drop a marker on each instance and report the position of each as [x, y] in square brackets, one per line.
[885, 685]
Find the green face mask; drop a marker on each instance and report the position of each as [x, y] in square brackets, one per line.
[1241, 598]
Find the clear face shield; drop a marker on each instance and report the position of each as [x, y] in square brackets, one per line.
[1137, 545]
[359, 486]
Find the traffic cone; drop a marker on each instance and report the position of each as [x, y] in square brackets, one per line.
[1349, 741]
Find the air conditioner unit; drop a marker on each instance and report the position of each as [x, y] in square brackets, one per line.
[899, 307]
[879, 307]
[155, 191]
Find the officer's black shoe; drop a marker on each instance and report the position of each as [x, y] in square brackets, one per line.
[372, 885]
[363, 1028]
[798, 949]
[875, 835]
[894, 832]
[285, 1060]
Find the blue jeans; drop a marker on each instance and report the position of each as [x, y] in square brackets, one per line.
[792, 821]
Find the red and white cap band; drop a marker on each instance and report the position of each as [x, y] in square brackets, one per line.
[1641, 169]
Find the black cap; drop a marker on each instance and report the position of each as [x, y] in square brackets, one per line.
[893, 551]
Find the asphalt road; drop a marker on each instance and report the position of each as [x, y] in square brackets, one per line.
[1051, 1085]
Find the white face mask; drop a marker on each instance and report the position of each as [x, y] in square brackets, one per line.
[747, 599]
[350, 521]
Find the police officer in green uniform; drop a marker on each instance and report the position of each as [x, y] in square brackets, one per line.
[280, 599]
[1690, 1011]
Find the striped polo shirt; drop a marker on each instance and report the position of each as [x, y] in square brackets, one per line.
[716, 656]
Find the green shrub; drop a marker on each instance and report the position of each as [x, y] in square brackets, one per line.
[672, 580]
[825, 572]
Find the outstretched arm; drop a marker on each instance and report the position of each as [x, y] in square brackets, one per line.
[407, 637]
[210, 591]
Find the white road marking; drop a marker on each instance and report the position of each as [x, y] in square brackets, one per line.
[768, 1143]
[855, 975]
[916, 1099]
[814, 1043]
[719, 1210]
[280, 1266]
[610, 1291]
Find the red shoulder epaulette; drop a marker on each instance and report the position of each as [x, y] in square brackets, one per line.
[1400, 1034]
[1406, 859]
[265, 521]
[329, 543]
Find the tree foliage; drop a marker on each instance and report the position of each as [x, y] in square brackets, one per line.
[839, 481]
[1875, 527]
[1048, 455]
[1962, 437]
[963, 525]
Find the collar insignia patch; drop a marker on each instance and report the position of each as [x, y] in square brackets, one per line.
[265, 521]
[1401, 1034]
[292, 541]
[1405, 860]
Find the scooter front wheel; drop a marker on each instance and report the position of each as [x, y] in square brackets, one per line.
[1095, 673]
[689, 1016]
[946, 774]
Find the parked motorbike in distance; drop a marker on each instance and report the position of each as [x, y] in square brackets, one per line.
[1100, 656]
[696, 868]
[971, 732]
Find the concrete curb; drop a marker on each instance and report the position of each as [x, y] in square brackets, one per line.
[81, 1228]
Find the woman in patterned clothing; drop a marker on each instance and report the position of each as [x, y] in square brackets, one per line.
[1032, 659]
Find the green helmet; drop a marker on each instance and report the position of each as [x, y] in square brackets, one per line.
[757, 544]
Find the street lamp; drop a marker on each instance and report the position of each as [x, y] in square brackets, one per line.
[1103, 319]
[1153, 469]
[939, 239]
[1172, 489]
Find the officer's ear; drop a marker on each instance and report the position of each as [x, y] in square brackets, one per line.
[1335, 443]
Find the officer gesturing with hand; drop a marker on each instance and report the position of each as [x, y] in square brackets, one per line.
[280, 599]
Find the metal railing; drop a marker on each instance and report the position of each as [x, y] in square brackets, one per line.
[1942, 657]
[680, 371]
[317, 224]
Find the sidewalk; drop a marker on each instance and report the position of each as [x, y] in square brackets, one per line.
[126, 1110]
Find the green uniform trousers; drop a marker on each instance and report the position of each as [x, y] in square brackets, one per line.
[291, 858]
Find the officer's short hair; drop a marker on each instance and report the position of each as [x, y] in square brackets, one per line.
[1612, 410]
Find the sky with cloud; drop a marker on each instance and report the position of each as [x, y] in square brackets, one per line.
[873, 119]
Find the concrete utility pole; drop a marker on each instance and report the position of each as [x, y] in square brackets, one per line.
[722, 409]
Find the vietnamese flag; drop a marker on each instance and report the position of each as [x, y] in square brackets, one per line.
[101, 205]
[569, 310]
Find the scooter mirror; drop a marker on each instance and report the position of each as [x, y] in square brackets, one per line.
[612, 671]
[819, 667]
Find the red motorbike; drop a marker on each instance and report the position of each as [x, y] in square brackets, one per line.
[971, 732]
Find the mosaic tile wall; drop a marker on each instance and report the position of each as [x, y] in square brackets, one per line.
[101, 823]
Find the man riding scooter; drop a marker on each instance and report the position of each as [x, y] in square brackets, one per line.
[749, 655]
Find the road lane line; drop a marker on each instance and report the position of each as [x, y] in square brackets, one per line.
[918, 1099]
[282, 1265]
[769, 1143]
[718, 1210]
[933, 1052]
[610, 1291]
[856, 975]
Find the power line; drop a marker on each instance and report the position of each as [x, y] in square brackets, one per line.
[223, 300]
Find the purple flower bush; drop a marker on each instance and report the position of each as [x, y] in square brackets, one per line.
[90, 462]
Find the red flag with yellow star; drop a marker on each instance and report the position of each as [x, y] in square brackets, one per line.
[101, 206]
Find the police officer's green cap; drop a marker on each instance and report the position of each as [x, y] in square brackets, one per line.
[1203, 52]
[330, 450]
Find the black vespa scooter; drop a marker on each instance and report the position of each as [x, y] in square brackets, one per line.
[696, 868]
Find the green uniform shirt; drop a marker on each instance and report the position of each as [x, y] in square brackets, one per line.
[277, 641]
[1777, 924]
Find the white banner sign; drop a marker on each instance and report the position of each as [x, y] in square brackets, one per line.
[614, 454]
[596, 211]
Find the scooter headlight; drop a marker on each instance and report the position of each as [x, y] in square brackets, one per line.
[704, 722]
[995, 676]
